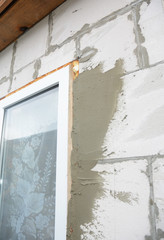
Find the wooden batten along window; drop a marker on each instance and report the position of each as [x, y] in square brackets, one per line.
[33, 159]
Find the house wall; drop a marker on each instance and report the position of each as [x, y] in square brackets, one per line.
[117, 161]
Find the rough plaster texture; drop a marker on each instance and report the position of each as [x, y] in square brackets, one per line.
[90, 123]
[118, 112]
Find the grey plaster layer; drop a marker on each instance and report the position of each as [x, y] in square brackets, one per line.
[92, 91]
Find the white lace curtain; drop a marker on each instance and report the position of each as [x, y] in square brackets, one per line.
[29, 169]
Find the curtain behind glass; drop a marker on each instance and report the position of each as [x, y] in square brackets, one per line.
[29, 169]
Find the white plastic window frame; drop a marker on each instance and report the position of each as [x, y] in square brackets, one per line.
[60, 78]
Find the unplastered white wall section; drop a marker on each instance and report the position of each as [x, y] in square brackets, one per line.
[101, 34]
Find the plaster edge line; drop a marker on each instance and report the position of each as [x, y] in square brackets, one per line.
[115, 160]
[152, 216]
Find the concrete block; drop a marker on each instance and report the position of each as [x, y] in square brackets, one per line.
[122, 212]
[110, 42]
[5, 61]
[4, 86]
[137, 127]
[23, 77]
[75, 15]
[152, 27]
[158, 179]
[57, 58]
[31, 45]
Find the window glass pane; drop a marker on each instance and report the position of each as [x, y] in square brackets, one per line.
[29, 169]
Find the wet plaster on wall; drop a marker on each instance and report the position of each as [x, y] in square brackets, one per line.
[94, 103]
[140, 51]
